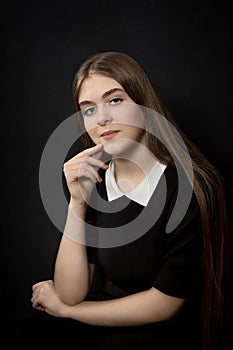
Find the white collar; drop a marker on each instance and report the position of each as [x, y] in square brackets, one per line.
[140, 194]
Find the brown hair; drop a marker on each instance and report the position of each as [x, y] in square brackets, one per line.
[207, 184]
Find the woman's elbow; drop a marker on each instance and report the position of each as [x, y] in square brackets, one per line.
[72, 299]
[167, 306]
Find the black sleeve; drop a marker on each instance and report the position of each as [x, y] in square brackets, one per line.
[180, 272]
[91, 220]
[90, 246]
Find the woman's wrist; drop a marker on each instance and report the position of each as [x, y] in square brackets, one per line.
[78, 207]
[75, 222]
[63, 310]
[72, 311]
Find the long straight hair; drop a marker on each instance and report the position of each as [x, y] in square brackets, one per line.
[207, 185]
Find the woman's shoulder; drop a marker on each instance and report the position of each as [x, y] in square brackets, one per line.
[180, 190]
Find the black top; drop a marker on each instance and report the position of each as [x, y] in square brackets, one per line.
[171, 262]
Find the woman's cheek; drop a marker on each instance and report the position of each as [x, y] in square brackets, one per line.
[91, 129]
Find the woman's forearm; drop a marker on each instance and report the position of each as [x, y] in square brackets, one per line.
[137, 309]
[71, 274]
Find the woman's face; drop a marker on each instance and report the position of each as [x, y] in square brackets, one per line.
[110, 116]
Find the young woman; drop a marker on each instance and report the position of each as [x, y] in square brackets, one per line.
[123, 277]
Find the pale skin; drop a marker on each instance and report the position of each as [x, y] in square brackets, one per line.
[103, 101]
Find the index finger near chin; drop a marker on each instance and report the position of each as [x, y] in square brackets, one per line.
[89, 152]
[95, 150]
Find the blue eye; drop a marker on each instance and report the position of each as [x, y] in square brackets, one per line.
[89, 111]
[116, 101]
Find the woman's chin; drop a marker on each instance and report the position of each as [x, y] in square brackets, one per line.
[115, 147]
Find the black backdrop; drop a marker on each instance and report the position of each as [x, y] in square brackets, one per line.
[184, 46]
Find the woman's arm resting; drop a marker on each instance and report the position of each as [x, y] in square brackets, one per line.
[72, 274]
[137, 309]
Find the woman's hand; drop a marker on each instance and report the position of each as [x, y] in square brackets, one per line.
[81, 173]
[44, 298]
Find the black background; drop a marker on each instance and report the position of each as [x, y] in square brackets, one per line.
[184, 46]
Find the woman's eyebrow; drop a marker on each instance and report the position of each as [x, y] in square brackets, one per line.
[112, 91]
[105, 94]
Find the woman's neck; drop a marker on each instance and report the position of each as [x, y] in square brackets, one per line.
[128, 174]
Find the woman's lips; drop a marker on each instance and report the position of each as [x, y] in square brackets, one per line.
[109, 134]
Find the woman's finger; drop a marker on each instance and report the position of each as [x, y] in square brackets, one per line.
[88, 173]
[95, 162]
[84, 171]
[85, 159]
[39, 284]
[96, 150]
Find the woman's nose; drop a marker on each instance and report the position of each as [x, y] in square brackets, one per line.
[104, 115]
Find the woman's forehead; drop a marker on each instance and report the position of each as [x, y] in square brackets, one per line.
[96, 85]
